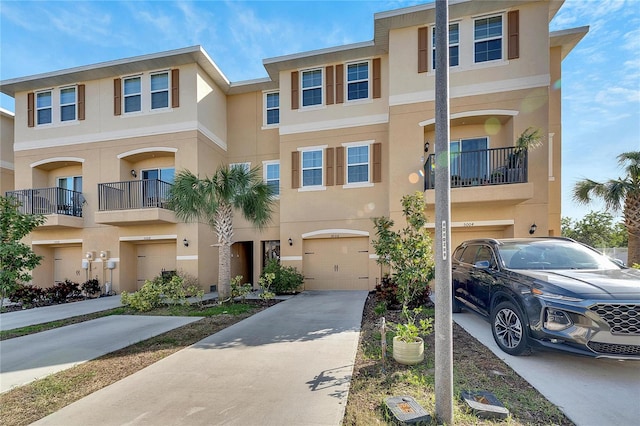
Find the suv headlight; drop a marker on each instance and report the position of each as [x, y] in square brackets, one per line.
[554, 296]
[556, 319]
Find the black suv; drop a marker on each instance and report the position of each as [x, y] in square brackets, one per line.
[550, 292]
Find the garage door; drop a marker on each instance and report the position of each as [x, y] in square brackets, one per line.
[153, 259]
[67, 264]
[336, 264]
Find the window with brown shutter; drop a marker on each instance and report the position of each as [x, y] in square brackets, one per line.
[117, 96]
[339, 83]
[295, 97]
[513, 22]
[377, 79]
[328, 167]
[340, 165]
[81, 90]
[377, 162]
[175, 88]
[30, 109]
[423, 49]
[329, 85]
[295, 169]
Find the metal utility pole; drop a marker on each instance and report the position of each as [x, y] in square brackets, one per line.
[443, 326]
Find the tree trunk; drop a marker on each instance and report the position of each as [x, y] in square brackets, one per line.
[224, 272]
[632, 223]
[224, 229]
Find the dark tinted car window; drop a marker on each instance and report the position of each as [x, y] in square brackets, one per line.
[469, 254]
[485, 254]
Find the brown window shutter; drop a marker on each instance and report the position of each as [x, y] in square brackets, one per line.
[513, 22]
[423, 49]
[377, 79]
[30, 110]
[295, 98]
[328, 167]
[117, 96]
[295, 169]
[377, 162]
[329, 85]
[175, 88]
[340, 165]
[81, 90]
[339, 83]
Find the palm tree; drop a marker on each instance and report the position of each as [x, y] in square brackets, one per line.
[619, 194]
[214, 199]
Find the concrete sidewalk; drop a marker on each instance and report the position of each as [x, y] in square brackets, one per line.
[17, 319]
[28, 358]
[289, 364]
[591, 392]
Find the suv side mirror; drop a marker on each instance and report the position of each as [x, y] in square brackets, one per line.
[482, 264]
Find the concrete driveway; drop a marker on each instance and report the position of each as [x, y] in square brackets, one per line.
[290, 364]
[591, 392]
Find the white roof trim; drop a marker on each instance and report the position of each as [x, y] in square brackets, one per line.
[476, 113]
[148, 149]
[55, 159]
[335, 231]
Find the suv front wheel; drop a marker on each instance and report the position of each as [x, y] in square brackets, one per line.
[508, 327]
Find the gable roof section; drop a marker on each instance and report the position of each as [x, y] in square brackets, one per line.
[172, 58]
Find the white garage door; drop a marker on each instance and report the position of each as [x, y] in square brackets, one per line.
[336, 264]
[153, 259]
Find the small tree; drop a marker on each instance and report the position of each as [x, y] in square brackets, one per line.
[408, 252]
[17, 259]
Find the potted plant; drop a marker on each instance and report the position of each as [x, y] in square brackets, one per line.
[408, 345]
[528, 140]
[408, 253]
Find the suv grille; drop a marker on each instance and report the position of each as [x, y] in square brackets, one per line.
[612, 349]
[623, 318]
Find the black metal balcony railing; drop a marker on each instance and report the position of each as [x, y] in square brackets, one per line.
[496, 166]
[49, 201]
[134, 194]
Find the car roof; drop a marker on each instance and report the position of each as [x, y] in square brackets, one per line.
[500, 241]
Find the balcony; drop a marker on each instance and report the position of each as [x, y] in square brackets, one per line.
[135, 202]
[489, 175]
[63, 207]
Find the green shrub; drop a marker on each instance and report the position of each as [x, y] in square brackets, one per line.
[636, 265]
[287, 278]
[240, 290]
[266, 281]
[27, 295]
[155, 293]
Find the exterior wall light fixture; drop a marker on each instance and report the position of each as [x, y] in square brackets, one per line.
[185, 242]
[290, 241]
[426, 146]
[133, 173]
[532, 229]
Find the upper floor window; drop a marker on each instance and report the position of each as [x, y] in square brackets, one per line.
[358, 81]
[271, 170]
[166, 174]
[272, 108]
[68, 104]
[469, 157]
[44, 107]
[487, 37]
[73, 183]
[312, 168]
[132, 94]
[454, 45]
[357, 164]
[244, 166]
[312, 87]
[160, 90]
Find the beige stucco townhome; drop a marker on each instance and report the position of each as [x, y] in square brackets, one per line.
[340, 132]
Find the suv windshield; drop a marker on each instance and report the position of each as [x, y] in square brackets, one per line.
[551, 254]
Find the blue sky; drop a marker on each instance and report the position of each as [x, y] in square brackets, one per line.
[600, 84]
